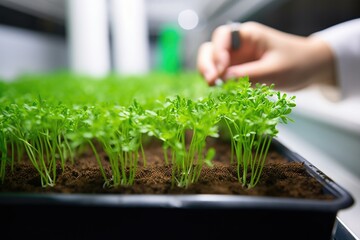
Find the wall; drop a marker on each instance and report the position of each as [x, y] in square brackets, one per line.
[25, 51]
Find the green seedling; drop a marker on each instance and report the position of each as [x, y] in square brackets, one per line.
[251, 115]
[50, 120]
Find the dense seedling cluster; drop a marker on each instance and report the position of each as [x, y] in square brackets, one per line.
[50, 121]
[251, 116]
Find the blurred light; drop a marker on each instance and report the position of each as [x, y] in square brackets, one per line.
[188, 19]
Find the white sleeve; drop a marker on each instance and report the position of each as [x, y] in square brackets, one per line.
[344, 40]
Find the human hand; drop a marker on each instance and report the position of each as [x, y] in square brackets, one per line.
[267, 56]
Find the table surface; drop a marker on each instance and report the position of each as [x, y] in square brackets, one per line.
[342, 232]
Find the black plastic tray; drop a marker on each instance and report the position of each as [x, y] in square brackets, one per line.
[96, 216]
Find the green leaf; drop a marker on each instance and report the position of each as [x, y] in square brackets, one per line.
[210, 156]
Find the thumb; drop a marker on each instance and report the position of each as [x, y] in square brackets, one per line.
[222, 60]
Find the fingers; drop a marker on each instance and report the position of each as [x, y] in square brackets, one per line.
[214, 57]
[206, 64]
[265, 55]
[221, 40]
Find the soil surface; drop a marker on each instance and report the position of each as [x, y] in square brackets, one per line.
[280, 177]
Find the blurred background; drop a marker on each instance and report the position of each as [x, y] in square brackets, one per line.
[46, 35]
[99, 37]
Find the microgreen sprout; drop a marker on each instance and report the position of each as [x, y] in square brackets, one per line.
[49, 126]
[183, 125]
[251, 116]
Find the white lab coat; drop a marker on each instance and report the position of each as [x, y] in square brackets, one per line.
[344, 40]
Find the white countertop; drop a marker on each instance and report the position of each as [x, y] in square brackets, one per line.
[322, 104]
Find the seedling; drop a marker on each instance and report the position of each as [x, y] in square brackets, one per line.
[251, 116]
[183, 125]
[50, 125]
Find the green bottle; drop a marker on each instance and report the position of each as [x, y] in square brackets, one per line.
[169, 49]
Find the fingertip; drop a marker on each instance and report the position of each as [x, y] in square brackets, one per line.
[206, 64]
[222, 59]
[210, 76]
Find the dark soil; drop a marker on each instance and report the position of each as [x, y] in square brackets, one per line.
[279, 178]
